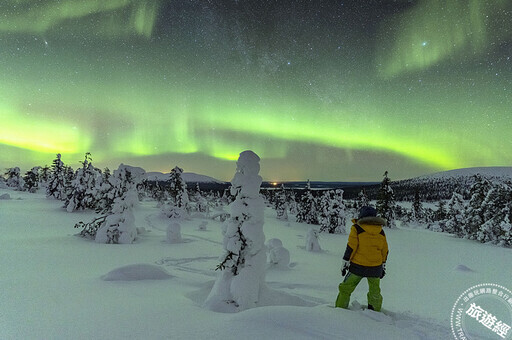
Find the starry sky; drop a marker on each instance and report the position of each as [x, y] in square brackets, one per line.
[320, 90]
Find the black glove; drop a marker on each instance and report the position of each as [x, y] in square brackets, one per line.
[383, 270]
[344, 267]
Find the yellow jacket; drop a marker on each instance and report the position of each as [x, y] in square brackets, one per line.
[367, 247]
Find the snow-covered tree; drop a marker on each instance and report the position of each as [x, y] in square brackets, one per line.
[386, 201]
[31, 179]
[117, 225]
[455, 215]
[174, 232]
[14, 180]
[44, 175]
[312, 243]
[57, 179]
[362, 200]
[474, 214]
[85, 187]
[307, 210]
[178, 207]
[417, 211]
[280, 204]
[496, 210]
[291, 202]
[243, 264]
[333, 216]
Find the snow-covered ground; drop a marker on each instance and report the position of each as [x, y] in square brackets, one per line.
[54, 285]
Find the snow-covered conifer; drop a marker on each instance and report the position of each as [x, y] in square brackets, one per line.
[57, 180]
[291, 202]
[496, 210]
[362, 200]
[85, 187]
[307, 207]
[280, 204]
[418, 213]
[31, 179]
[178, 207]
[243, 264]
[335, 213]
[475, 211]
[455, 215]
[44, 175]
[386, 201]
[117, 225]
[14, 180]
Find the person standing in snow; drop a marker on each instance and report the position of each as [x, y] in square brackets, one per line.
[365, 256]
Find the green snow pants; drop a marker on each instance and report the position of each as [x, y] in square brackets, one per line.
[350, 283]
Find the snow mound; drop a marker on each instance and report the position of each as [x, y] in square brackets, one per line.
[268, 297]
[5, 197]
[135, 272]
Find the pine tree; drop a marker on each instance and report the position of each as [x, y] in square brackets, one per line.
[13, 179]
[496, 208]
[44, 175]
[386, 201]
[362, 200]
[243, 264]
[178, 206]
[474, 210]
[85, 187]
[333, 216]
[281, 205]
[31, 179]
[56, 180]
[117, 225]
[455, 215]
[307, 207]
[418, 213]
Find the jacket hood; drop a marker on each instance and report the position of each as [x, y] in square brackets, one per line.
[371, 224]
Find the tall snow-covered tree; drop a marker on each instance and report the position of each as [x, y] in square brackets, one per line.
[31, 179]
[386, 201]
[333, 216]
[57, 180]
[362, 199]
[14, 180]
[455, 215]
[117, 225]
[178, 206]
[474, 214]
[496, 206]
[280, 204]
[85, 187]
[307, 207]
[417, 211]
[243, 265]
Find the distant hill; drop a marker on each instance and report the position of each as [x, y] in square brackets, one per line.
[487, 172]
[189, 177]
[442, 185]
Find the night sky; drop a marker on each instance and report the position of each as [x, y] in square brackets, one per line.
[320, 90]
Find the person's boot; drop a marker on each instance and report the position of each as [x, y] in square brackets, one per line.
[370, 307]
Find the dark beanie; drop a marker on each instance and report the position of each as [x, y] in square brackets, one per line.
[367, 211]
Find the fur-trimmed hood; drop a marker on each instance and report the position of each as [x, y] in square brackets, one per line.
[371, 220]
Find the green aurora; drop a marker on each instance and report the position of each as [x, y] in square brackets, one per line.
[329, 91]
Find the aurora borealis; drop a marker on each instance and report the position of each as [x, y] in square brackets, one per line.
[325, 90]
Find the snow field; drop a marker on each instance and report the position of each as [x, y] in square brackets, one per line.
[51, 284]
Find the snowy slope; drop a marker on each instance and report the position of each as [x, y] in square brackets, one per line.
[189, 177]
[489, 172]
[52, 286]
